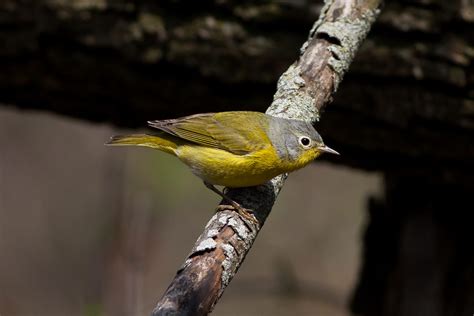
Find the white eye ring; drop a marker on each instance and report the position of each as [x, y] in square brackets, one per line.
[305, 141]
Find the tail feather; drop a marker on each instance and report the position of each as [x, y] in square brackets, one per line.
[144, 140]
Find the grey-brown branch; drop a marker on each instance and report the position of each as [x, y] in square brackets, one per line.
[303, 91]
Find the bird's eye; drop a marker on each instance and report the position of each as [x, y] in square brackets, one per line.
[305, 141]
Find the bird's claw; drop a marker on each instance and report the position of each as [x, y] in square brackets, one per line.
[243, 212]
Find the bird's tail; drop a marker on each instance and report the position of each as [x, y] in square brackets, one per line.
[157, 142]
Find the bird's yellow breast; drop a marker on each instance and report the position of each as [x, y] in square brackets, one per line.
[221, 167]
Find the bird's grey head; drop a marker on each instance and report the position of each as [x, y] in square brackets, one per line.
[291, 137]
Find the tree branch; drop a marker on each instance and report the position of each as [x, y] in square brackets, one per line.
[303, 91]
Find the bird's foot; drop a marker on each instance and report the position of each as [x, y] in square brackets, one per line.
[243, 212]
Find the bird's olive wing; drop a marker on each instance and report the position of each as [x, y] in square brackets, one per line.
[237, 132]
[240, 132]
[191, 128]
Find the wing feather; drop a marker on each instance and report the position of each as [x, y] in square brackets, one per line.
[239, 132]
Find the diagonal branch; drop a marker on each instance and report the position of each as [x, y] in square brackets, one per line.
[303, 91]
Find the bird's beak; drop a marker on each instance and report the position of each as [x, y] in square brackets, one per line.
[328, 150]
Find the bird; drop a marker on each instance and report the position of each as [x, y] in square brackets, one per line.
[233, 149]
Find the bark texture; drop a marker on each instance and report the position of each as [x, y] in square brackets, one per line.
[303, 90]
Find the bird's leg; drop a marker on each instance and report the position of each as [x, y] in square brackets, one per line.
[225, 197]
[245, 213]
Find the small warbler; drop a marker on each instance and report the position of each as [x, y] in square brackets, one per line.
[234, 149]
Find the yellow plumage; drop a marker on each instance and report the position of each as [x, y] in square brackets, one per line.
[223, 168]
[234, 149]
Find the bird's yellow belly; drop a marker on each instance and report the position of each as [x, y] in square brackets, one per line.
[220, 167]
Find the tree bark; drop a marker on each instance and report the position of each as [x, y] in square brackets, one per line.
[303, 90]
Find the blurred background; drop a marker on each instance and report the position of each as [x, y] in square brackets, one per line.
[383, 229]
[92, 230]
